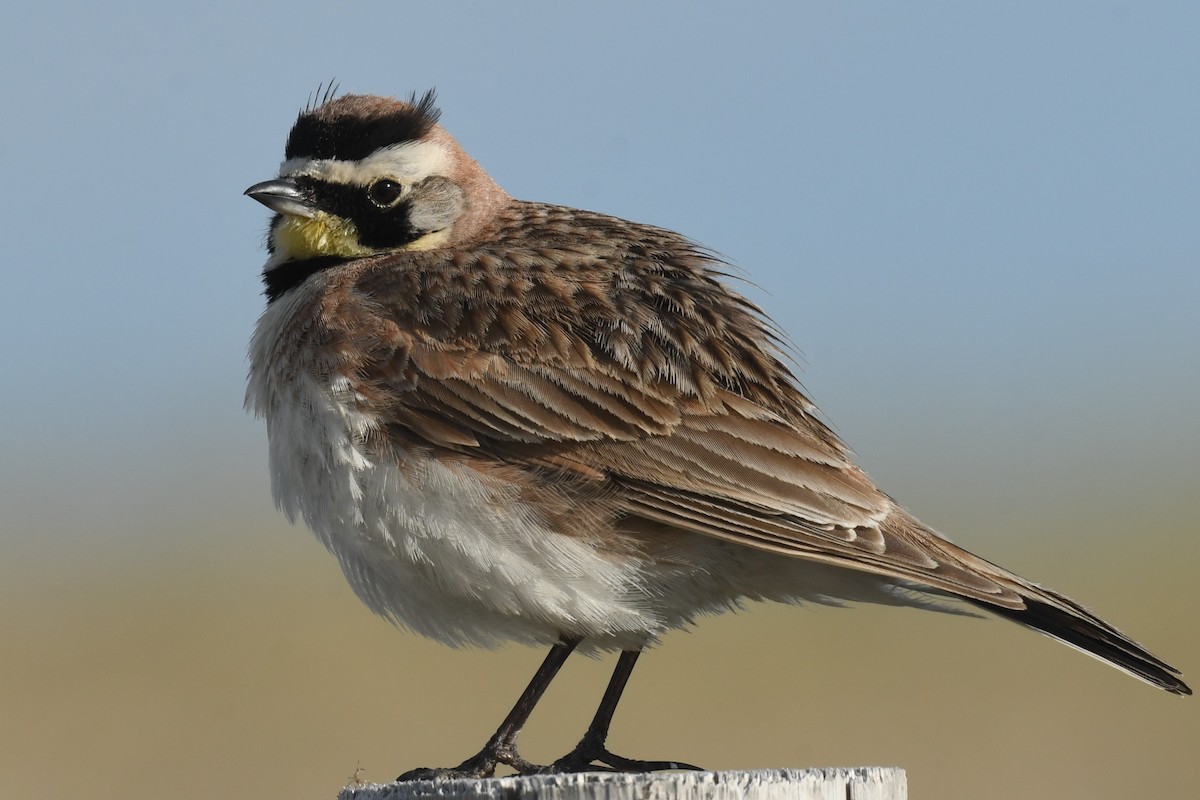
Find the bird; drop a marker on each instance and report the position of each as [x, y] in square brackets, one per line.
[518, 421]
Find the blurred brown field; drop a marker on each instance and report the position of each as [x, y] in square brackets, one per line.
[235, 662]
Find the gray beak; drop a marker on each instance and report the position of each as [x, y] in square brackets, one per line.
[284, 196]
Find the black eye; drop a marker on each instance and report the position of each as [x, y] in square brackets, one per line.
[384, 192]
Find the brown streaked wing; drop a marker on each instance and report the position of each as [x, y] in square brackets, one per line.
[887, 552]
[612, 349]
[512, 403]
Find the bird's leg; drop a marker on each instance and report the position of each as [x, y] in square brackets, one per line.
[591, 754]
[502, 747]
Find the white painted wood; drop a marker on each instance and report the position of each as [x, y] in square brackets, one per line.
[859, 783]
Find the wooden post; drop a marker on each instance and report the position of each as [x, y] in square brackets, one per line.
[859, 783]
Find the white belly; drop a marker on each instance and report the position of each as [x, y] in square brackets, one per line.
[428, 544]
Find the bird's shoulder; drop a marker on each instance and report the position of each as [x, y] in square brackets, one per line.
[560, 287]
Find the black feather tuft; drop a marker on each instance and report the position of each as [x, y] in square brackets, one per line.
[352, 127]
[325, 92]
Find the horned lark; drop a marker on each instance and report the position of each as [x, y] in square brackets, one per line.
[518, 421]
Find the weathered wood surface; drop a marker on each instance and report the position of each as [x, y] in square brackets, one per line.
[859, 783]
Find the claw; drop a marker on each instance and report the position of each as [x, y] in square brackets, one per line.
[588, 754]
[481, 765]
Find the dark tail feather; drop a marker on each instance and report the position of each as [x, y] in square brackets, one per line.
[1080, 629]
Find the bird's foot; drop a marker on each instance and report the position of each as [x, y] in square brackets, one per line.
[481, 765]
[590, 755]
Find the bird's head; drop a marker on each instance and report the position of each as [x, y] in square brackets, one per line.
[366, 175]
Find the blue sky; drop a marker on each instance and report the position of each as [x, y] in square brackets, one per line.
[977, 222]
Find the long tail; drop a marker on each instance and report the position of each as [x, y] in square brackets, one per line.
[955, 571]
[1065, 620]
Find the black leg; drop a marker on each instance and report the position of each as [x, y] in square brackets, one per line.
[591, 753]
[502, 747]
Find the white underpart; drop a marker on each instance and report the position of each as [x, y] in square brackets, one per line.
[432, 546]
[445, 552]
[409, 162]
